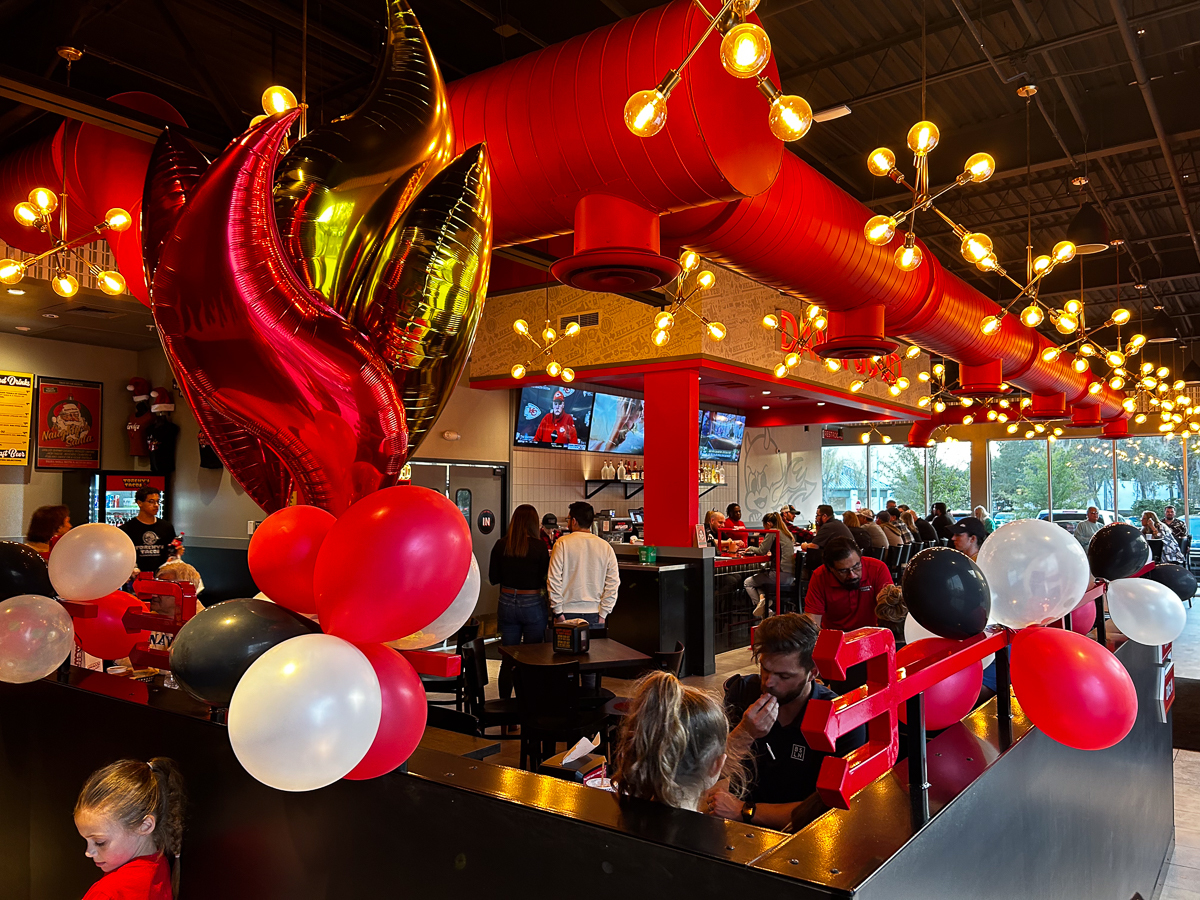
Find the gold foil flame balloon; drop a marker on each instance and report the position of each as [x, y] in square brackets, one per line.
[330, 187]
[312, 304]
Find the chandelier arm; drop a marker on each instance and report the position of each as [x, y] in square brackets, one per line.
[712, 24]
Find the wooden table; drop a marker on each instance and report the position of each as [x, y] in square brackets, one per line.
[464, 745]
[602, 654]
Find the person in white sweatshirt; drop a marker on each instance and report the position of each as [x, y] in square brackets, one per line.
[583, 577]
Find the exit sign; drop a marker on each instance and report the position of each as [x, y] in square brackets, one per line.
[831, 434]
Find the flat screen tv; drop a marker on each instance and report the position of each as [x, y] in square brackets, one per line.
[721, 435]
[554, 415]
[617, 425]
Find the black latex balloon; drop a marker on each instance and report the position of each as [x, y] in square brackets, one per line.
[1176, 577]
[947, 593]
[214, 649]
[22, 571]
[1117, 551]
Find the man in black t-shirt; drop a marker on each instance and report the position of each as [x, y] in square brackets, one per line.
[767, 710]
[151, 536]
[941, 522]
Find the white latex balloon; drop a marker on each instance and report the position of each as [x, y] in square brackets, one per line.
[1036, 570]
[36, 635]
[305, 713]
[261, 596]
[91, 561]
[451, 620]
[1146, 611]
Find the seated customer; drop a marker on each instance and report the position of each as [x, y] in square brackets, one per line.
[888, 525]
[46, 526]
[769, 708]
[866, 520]
[714, 521]
[967, 534]
[671, 746]
[734, 526]
[774, 545]
[906, 535]
[850, 520]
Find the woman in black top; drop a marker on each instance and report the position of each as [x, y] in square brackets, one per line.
[519, 565]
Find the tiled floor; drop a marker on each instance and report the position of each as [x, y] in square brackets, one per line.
[1186, 650]
[1183, 877]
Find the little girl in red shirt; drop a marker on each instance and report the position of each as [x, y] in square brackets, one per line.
[131, 815]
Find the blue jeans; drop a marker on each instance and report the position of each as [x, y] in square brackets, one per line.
[518, 616]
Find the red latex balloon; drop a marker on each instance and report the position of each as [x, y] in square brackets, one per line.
[283, 554]
[951, 698]
[404, 713]
[105, 635]
[247, 338]
[391, 565]
[1083, 619]
[1072, 688]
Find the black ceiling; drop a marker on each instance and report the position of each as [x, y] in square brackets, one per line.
[212, 59]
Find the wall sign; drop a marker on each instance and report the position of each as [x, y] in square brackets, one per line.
[831, 434]
[68, 423]
[16, 402]
[1164, 689]
[486, 521]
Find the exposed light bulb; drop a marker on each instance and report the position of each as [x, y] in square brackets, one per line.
[1120, 316]
[968, 420]
[1040, 429]
[968, 401]
[1140, 418]
[1028, 435]
[820, 323]
[1012, 428]
[1162, 372]
[11, 271]
[991, 415]
[887, 438]
[981, 166]
[689, 260]
[1079, 364]
[258, 120]
[1073, 307]
[990, 325]
[554, 369]
[65, 285]
[646, 112]
[812, 311]
[117, 219]
[1114, 358]
[923, 138]
[856, 386]
[1050, 354]
[790, 117]
[44, 200]
[988, 263]
[1087, 349]
[745, 50]
[976, 246]
[923, 377]
[664, 320]
[111, 282]
[705, 280]
[277, 99]
[572, 329]
[717, 331]
[568, 375]
[518, 371]
[866, 437]
[25, 213]
[833, 365]
[1116, 382]
[1032, 315]
[792, 360]
[881, 161]
[780, 370]
[660, 337]
[1095, 387]
[1041, 264]
[903, 383]
[1064, 251]
[1066, 323]
[923, 402]
[770, 321]
[549, 334]
[1136, 343]
[939, 370]
[880, 230]
[939, 406]
[908, 258]
[894, 390]
[912, 352]
[1129, 405]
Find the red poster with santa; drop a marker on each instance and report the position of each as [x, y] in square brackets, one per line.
[68, 423]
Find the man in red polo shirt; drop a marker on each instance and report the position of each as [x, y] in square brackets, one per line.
[841, 593]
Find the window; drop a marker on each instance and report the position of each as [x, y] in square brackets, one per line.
[462, 499]
[898, 473]
[1150, 475]
[1018, 479]
[844, 478]
[950, 475]
[1082, 477]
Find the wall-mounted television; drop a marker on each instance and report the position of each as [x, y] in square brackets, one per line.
[617, 425]
[555, 416]
[721, 435]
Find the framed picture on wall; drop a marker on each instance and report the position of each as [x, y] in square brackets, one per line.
[67, 423]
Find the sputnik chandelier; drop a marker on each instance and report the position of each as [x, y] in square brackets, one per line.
[689, 283]
[865, 437]
[545, 347]
[886, 369]
[814, 324]
[38, 212]
[745, 52]
[942, 392]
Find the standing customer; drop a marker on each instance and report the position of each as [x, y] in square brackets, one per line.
[151, 535]
[583, 576]
[519, 565]
[46, 526]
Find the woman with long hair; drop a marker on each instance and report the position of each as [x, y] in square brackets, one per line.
[1152, 528]
[778, 544]
[671, 745]
[519, 565]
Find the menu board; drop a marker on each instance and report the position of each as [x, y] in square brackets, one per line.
[68, 423]
[16, 401]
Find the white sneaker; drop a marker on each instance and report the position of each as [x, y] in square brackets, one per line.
[761, 609]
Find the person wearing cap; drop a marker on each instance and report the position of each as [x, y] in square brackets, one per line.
[866, 521]
[788, 514]
[549, 530]
[557, 426]
[885, 522]
[968, 535]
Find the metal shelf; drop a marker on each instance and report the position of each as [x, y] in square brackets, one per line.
[589, 492]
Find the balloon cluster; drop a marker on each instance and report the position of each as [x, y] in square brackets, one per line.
[1030, 574]
[309, 705]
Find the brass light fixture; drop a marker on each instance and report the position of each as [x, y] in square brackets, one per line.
[692, 281]
[811, 328]
[544, 347]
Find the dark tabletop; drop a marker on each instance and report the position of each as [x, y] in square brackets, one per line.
[603, 654]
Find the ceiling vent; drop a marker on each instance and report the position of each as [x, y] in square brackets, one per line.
[585, 320]
[82, 309]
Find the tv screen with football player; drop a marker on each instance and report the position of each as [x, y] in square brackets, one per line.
[555, 416]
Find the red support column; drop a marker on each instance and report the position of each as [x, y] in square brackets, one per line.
[672, 422]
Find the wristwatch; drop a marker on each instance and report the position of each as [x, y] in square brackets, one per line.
[748, 810]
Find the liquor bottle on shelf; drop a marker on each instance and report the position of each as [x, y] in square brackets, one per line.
[606, 471]
[721, 474]
[621, 471]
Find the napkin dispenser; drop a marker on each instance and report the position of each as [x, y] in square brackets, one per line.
[571, 636]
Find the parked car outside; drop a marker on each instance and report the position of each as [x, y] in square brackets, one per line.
[1069, 518]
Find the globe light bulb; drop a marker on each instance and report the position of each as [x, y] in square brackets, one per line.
[1087, 349]
[856, 386]
[1050, 354]
[1032, 316]
[1058, 432]
[790, 117]
[820, 323]
[967, 401]
[1012, 429]
[990, 325]
[968, 420]
[812, 311]
[908, 258]
[1051, 438]
[981, 166]
[903, 383]
[646, 113]
[117, 219]
[780, 370]
[518, 371]
[1147, 368]
[1129, 405]
[865, 437]
[745, 50]
[1028, 434]
[1136, 343]
[988, 263]
[976, 247]
[689, 260]
[11, 271]
[660, 337]
[991, 415]
[705, 280]
[1095, 387]
[65, 285]
[664, 320]
[923, 377]
[1073, 307]
[1115, 358]
[258, 120]
[1040, 429]
[572, 329]
[717, 331]
[1026, 401]
[770, 321]
[880, 230]
[277, 99]
[25, 213]
[912, 352]
[111, 282]
[1066, 323]
[1079, 364]
[881, 161]
[1064, 251]
[887, 439]
[549, 334]
[1116, 382]
[792, 360]
[894, 390]
[1120, 316]
[923, 138]
[923, 402]
[554, 369]
[568, 375]
[1162, 372]
[44, 200]
[939, 370]
[833, 365]
[939, 406]
[1180, 385]
[1140, 418]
